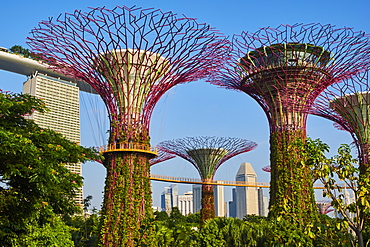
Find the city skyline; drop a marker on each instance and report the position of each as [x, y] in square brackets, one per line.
[241, 116]
[246, 200]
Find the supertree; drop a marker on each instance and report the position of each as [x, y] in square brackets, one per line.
[324, 207]
[348, 104]
[131, 57]
[284, 69]
[207, 154]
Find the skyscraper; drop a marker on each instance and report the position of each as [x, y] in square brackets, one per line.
[246, 197]
[197, 197]
[262, 203]
[62, 99]
[169, 198]
[218, 191]
[232, 204]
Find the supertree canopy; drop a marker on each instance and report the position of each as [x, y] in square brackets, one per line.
[348, 104]
[284, 69]
[207, 154]
[131, 57]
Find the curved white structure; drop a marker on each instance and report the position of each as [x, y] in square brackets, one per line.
[28, 67]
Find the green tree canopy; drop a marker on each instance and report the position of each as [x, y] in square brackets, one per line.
[35, 185]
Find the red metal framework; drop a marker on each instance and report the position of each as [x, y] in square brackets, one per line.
[348, 105]
[324, 207]
[284, 69]
[161, 157]
[207, 154]
[131, 57]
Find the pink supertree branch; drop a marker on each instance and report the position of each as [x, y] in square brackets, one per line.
[161, 157]
[324, 207]
[347, 104]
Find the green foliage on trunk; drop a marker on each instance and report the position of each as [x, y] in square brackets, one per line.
[291, 186]
[208, 203]
[127, 210]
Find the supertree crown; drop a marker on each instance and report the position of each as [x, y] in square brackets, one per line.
[130, 56]
[285, 68]
[207, 153]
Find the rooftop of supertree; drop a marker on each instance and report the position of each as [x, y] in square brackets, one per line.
[128, 53]
[207, 153]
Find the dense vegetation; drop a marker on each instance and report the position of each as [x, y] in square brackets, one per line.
[36, 189]
[37, 207]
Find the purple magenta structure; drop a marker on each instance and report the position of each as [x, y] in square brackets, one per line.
[284, 69]
[348, 104]
[207, 154]
[131, 57]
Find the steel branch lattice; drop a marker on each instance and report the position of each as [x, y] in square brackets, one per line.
[161, 157]
[284, 69]
[131, 57]
[348, 105]
[207, 153]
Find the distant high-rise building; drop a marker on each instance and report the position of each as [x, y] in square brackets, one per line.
[197, 198]
[262, 203]
[218, 191]
[166, 200]
[186, 203]
[174, 195]
[232, 204]
[246, 197]
[62, 99]
[169, 198]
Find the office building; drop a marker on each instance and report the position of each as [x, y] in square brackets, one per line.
[246, 197]
[220, 207]
[197, 197]
[169, 198]
[62, 99]
[232, 204]
[186, 203]
[262, 203]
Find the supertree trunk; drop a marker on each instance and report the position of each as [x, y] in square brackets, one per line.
[127, 201]
[291, 182]
[208, 201]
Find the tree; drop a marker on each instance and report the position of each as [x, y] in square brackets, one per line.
[35, 186]
[17, 49]
[342, 168]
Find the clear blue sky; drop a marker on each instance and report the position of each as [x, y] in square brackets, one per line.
[195, 108]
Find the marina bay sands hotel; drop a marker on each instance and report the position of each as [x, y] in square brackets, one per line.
[60, 94]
